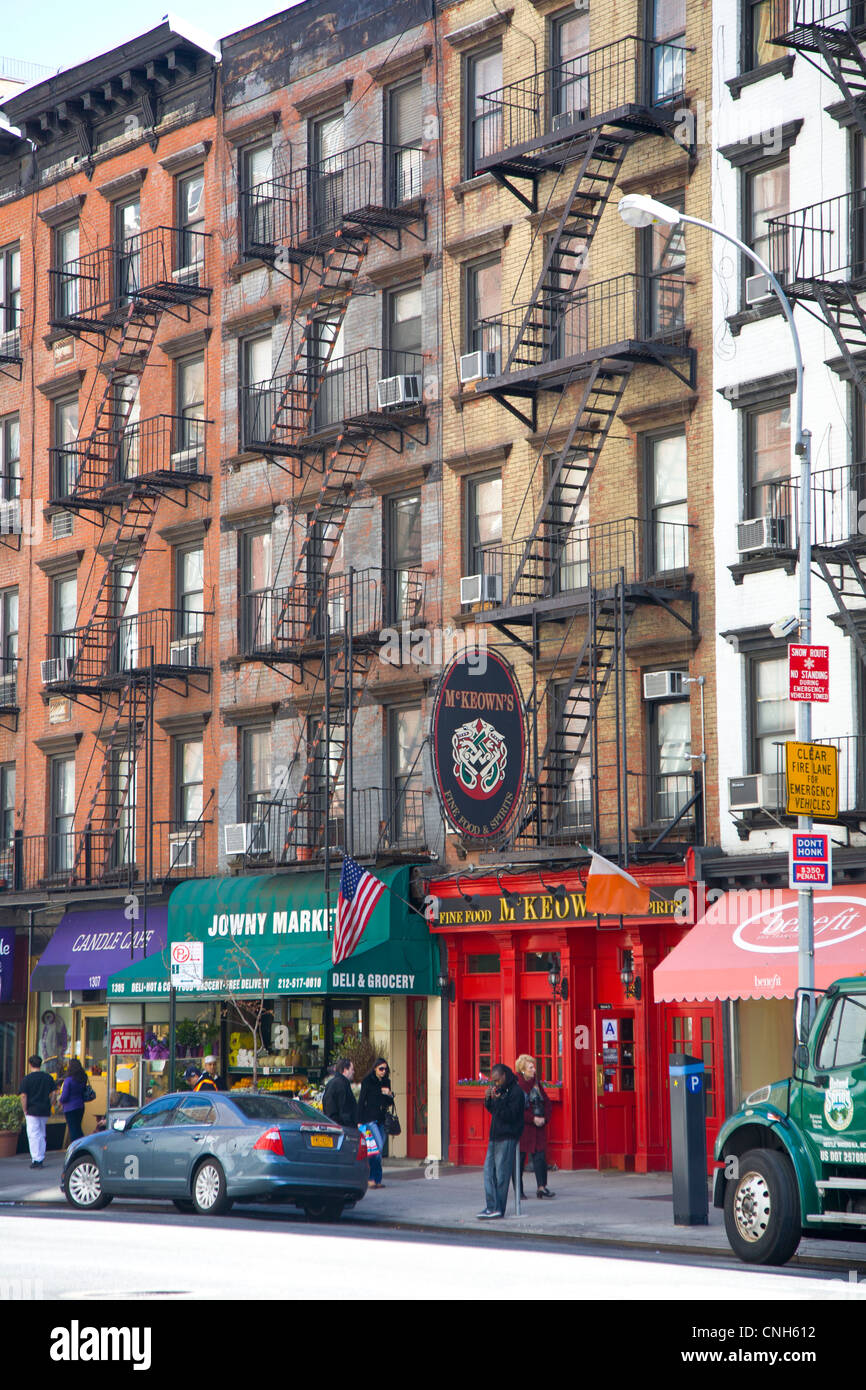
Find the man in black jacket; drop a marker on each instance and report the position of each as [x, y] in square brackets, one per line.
[506, 1102]
[338, 1102]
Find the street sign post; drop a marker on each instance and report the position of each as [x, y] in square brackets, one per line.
[808, 672]
[810, 861]
[812, 780]
[187, 964]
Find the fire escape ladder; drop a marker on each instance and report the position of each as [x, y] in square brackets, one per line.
[567, 247]
[116, 583]
[846, 65]
[132, 351]
[297, 617]
[341, 266]
[326, 753]
[568, 481]
[846, 319]
[851, 583]
[96, 842]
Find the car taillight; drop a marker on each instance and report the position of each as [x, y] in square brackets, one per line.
[271, 1142]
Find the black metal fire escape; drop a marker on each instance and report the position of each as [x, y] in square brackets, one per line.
[118, 472]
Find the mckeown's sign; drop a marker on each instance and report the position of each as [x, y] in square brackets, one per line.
[479, 744]
[537, 907]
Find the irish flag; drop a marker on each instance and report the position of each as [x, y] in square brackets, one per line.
[612, 892]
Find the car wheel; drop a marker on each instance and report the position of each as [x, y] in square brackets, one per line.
[183, 1204]
[762, 1209]
[209, 1189]
[84, 1185]
[323, 1211]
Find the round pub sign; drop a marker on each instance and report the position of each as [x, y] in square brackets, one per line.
[479, 743]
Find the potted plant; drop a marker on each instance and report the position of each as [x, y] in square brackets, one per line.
[187, 1038]
[11, 1120]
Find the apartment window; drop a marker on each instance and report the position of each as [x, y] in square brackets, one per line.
[189, 779]
[328, 786]
[667, 492]
[569, 78]
[486, 964]
[325, 566]
[127, 247]
[65, 438]
[405, 741]
[403, 556]
[255, 174]
[189, 394]
[669, 740]
[483, 301]
[123, 803]
[765, 195]
[403, 104]
[64, 609]
[9, 633]
[258, 395]
[10, 458]
[664, 258]
[256, 754]
[569, 526]
[328, 352]
[758, 47]
[127, 404]
[484, 524]
[124, 603]
[327, 158]
[483, 72]
[257, 583]
[857, 235]
[667, 28]
[190, 219]
[569, 793]
[772, 719]
[7, 805]
[66, 252]
[768, 461]
[189, 569]
[61, 814]
[485, 1039]
[403, 310]
[10, 290]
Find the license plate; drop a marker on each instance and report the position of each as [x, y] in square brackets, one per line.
[321, 1141]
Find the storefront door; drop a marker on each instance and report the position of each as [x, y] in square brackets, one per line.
[92, 1035]
[691, 1028]
[615, 1088]
[416, 1100]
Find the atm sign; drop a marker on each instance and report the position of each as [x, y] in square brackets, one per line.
[127, 1042]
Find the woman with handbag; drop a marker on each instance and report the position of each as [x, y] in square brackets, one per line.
[375, 1107]
[536, 1118]
[76, 1091]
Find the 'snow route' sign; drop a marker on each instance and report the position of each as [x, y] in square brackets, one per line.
[808, 673]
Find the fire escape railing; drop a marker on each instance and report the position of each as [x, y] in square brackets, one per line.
[163, 265]
[166, 449]
[174, 641]
[282, 618]
[825, 241]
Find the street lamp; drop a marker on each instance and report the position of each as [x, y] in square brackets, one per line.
[637, 210]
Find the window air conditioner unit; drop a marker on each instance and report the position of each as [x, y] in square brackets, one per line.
[399, 390]
[475, 366]
[56, 668]
[184, 652]
[481, 588]
[187, 276]
[762, 533]
[8, 691]
[663, 685]
[753, 791]
[181, 849]
[185, 460]
[564, 119]
[758, 288]
[61, 996]
[247, 837]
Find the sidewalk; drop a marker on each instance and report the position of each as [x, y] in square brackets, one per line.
[625, 1210]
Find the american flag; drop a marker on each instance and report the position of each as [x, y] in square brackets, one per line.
[359, 894]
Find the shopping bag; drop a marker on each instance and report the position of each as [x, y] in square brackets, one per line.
[370, 1140]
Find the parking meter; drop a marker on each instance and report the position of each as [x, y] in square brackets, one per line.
[688, 1140]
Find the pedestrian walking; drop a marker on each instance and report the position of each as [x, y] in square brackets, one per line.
[36, 1093]
[199, 1080]
[506, 1102]
[73, 1095]
[338, 1102]
[536, 1120]
[374, 1103]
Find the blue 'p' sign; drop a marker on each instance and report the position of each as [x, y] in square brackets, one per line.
[696, 1081]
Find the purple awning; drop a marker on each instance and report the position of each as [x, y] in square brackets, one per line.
[87, 947]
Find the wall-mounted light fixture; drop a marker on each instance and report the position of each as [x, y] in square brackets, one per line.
[557, 984]
[447, 988]
[628, 977]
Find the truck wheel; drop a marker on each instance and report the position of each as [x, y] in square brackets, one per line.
[762, 1209]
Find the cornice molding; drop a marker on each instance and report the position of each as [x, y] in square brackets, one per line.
[262, 712]
[186, 344]
[186, 159]
[479, 243]
[403, 64]
[65, 385]
[62, 212]
[265, 123]
[324, 98]
[124, 183]
[481, 31]
[473, 461]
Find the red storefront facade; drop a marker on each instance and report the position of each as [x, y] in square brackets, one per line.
[602, 1052]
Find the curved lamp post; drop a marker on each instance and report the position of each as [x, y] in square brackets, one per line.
[636, 210]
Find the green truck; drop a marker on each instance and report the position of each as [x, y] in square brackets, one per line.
[793, 1157]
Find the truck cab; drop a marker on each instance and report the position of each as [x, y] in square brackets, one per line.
[793, 1157]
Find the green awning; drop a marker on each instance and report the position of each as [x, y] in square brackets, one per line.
[271, 931]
